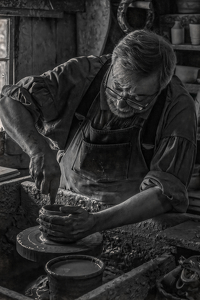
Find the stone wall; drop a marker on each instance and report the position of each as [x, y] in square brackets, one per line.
[13, 219]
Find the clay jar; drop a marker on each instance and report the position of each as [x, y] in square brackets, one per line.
[177, 34]
[51, 210]
[195, 33]
[72, 276]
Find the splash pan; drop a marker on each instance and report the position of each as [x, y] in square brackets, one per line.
[31, 245]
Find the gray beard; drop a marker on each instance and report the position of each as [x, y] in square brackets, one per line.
[121, 113]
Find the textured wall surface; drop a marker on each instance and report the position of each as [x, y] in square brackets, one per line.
[38, 53]
[13, 219]
[93, 27]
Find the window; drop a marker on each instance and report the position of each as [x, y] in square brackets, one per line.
[6, 52]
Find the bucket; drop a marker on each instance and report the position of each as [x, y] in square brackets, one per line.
[72, 276]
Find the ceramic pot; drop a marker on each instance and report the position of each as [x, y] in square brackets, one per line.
[51, 210]
[72, 276]
[187, 74]
[177, 33]
[195, 33]
[188, 6]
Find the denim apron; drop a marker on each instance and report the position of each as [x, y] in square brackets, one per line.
[106, 165]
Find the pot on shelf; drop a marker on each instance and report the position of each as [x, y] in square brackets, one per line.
[195, 34]
[188, 6]
[187, 74]
[177, 34]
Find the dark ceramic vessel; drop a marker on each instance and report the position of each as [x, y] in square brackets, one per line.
[66, 287]
[51, 210]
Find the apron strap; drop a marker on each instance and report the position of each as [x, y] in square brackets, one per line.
[93, 90]
[87, 101]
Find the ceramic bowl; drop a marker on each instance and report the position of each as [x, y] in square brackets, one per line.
[188, 6]
[187, 74]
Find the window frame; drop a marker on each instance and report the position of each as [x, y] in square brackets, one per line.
[9, 59]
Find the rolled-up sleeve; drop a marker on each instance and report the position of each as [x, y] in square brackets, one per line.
[174, 156]
[53, 97]
[34, 94]
[171, 170]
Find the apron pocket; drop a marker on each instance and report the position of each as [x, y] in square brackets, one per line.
[102, 163]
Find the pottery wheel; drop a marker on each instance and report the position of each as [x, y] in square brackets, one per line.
[32, 246]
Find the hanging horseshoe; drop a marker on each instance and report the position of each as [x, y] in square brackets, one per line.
[122, 10]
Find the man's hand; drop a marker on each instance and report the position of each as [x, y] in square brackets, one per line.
[45, 171]
[70, 228]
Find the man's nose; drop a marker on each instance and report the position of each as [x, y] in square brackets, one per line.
[121, 103]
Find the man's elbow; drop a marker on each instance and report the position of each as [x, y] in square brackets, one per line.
[4, 104]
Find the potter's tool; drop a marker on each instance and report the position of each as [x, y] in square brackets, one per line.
[33, 246]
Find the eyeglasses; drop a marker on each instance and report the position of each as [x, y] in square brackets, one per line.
[130, 100]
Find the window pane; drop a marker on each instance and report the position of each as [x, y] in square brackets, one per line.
[3, 38]
[3, 74]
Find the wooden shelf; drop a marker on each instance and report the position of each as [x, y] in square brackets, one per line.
[166, 23]
[189, 47]
[192, 87]
[33, 13]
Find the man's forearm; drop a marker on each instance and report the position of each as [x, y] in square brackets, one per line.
[19, 125]
[142, 206]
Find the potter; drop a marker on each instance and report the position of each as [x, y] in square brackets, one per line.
[117, 123]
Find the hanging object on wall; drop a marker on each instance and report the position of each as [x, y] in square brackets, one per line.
[125, 20]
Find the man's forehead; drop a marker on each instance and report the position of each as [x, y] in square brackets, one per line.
[123, 76]
[128, 79]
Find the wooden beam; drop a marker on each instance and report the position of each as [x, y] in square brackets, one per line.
[69, 5]
[30, 13]
[64, 5]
